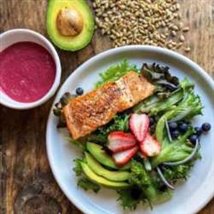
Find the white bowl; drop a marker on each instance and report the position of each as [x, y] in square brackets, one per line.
[190, 196]
[11, 37]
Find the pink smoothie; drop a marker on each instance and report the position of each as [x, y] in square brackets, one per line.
[27, 71]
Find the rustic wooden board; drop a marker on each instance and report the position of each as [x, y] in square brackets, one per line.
[27, 184]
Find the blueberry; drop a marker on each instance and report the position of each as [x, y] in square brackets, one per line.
[183, 127]
[193, 138]
[79, 91]
[205, 127]
[175, 134]
[151, 121]
[173, 125]
[186, 121]
[198, 131]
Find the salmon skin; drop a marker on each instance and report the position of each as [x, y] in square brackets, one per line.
[84, 114]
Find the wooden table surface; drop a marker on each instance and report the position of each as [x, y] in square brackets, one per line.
[27, 184]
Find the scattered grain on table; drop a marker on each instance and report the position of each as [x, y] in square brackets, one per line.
[148, 22]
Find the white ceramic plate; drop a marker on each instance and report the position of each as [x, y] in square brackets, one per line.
[189, 197]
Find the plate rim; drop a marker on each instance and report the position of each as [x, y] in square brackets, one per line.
[207, 77]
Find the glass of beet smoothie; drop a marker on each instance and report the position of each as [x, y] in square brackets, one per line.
[30, 69]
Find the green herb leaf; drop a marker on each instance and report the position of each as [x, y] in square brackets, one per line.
[141, 178]
[114, 72]
[78, 168]
[175, 151]
[118, 123]
[126, 199]
[176, 173]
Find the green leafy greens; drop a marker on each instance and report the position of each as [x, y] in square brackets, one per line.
[144, 188]
[130, 198]
[140, 177]
[118, 123]
[174, 151]
[116, 71]
[176, 173]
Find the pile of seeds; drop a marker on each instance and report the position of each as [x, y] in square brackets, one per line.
[149, 22]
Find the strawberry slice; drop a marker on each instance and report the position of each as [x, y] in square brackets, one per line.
[120, 141]
[150, 147]
[121, 158]
[139, 125]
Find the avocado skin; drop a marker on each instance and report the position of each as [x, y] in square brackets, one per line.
[102, 157]
[101, 171]
[64, 42]
[100, 180]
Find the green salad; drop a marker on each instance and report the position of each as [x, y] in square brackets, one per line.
[145, 151]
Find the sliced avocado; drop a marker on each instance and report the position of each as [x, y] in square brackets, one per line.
[100, 180]
[102, 157]
[100, 170]
[70, 23]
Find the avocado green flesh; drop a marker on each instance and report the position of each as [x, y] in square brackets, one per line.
[102, 157]
[99, 170]
[67, 42]
[100, 180]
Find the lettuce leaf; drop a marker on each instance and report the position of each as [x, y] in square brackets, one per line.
[116, 71]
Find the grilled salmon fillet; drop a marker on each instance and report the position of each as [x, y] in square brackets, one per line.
[86, 113]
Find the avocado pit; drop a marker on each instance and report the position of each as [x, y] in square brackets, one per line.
[69, 22]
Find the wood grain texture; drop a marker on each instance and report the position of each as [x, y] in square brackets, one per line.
[27, 184]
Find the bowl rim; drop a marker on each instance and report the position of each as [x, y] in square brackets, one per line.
[51, 49]
[97, 57]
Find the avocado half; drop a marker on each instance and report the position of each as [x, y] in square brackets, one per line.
[70, 24]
